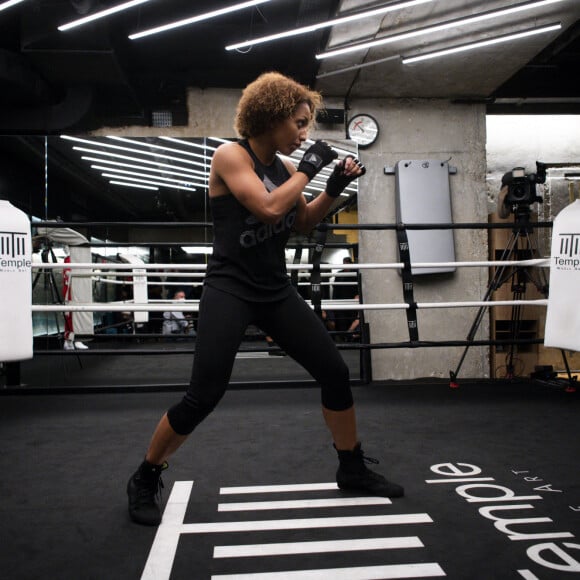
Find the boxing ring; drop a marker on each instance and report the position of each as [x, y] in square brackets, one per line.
[315, 276]
[462, 454]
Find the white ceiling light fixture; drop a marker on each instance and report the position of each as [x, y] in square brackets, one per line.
[187, 143]
[327, 24]
[101, 14]
[198, 18]
[482, 43]
[132, 150]
[9, 4]
[142, 163]
[437, 27]
[135, 185]
[137, 159]
[152, 146]
[147, 181]
[340, 71]
[122, 173]
[113, 165]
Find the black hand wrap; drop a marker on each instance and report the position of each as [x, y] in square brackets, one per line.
[338, 180]
[316, 157]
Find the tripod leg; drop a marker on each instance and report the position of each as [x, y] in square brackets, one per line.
[571, 388]
[515, 324]
[498, 279]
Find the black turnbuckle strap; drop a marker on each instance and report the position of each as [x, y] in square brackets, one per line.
[320, 235]
[407, 278]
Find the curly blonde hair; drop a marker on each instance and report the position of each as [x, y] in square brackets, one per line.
[270, 98]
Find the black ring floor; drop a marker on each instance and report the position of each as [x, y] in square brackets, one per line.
[490, 471]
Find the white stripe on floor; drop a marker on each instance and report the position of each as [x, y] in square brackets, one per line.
[278, 488]
[302, 504]
[285, 548]
[428, 570]
[305, 523]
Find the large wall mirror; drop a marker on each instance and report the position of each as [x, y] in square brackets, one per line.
[139, 201]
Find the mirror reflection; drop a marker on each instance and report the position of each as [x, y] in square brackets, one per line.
[135, 211]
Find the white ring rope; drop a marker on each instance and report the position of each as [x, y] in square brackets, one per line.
[543, 262]
[193, 306]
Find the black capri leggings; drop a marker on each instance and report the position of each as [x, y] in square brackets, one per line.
[223, 319]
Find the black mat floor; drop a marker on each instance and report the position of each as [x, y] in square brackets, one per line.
[491, 472]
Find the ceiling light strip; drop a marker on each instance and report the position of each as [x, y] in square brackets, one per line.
[160, 167]
[101, 14]
[198, 18]
[137, 180]
[112, 165]
[131, 150]
[123, 172]
[9, 4]
[136, 185]
[188, 143]
[482, 43]
[358, 66]
[437, 28]
[137, 159]
[152, 146]
[327, 24]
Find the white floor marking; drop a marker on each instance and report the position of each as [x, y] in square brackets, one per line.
[527, 575]
[278, 488]
[304, 524]
[285, 548]
[302, 504]
[428, 570]
[162, 554]
[459, 480]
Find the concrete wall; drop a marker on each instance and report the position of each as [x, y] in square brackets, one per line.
[424, 129]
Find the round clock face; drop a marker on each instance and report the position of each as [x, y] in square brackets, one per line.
[363, 130]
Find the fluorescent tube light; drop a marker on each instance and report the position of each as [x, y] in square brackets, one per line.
[9, 4]
[488, 42]
[339, 71]
[113, 165]
[138, 159]
[327, 24]
[152, 146]
[147, 181]
[198, 18]
[124, 172]
[101, 14]
[131, 150]
[124, 184]
[437, 28]
[162, 167]
[187, 143]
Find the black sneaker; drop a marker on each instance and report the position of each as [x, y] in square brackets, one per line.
[354, 475]
[144, 491]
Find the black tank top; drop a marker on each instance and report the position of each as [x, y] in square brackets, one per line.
[248, 257]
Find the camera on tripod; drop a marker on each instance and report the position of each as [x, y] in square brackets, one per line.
[521, 187]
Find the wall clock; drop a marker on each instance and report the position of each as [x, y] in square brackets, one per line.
[363, 130]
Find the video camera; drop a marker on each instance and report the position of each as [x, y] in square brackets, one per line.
[522, 187]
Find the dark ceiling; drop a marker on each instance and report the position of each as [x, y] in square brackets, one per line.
[96, 76]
